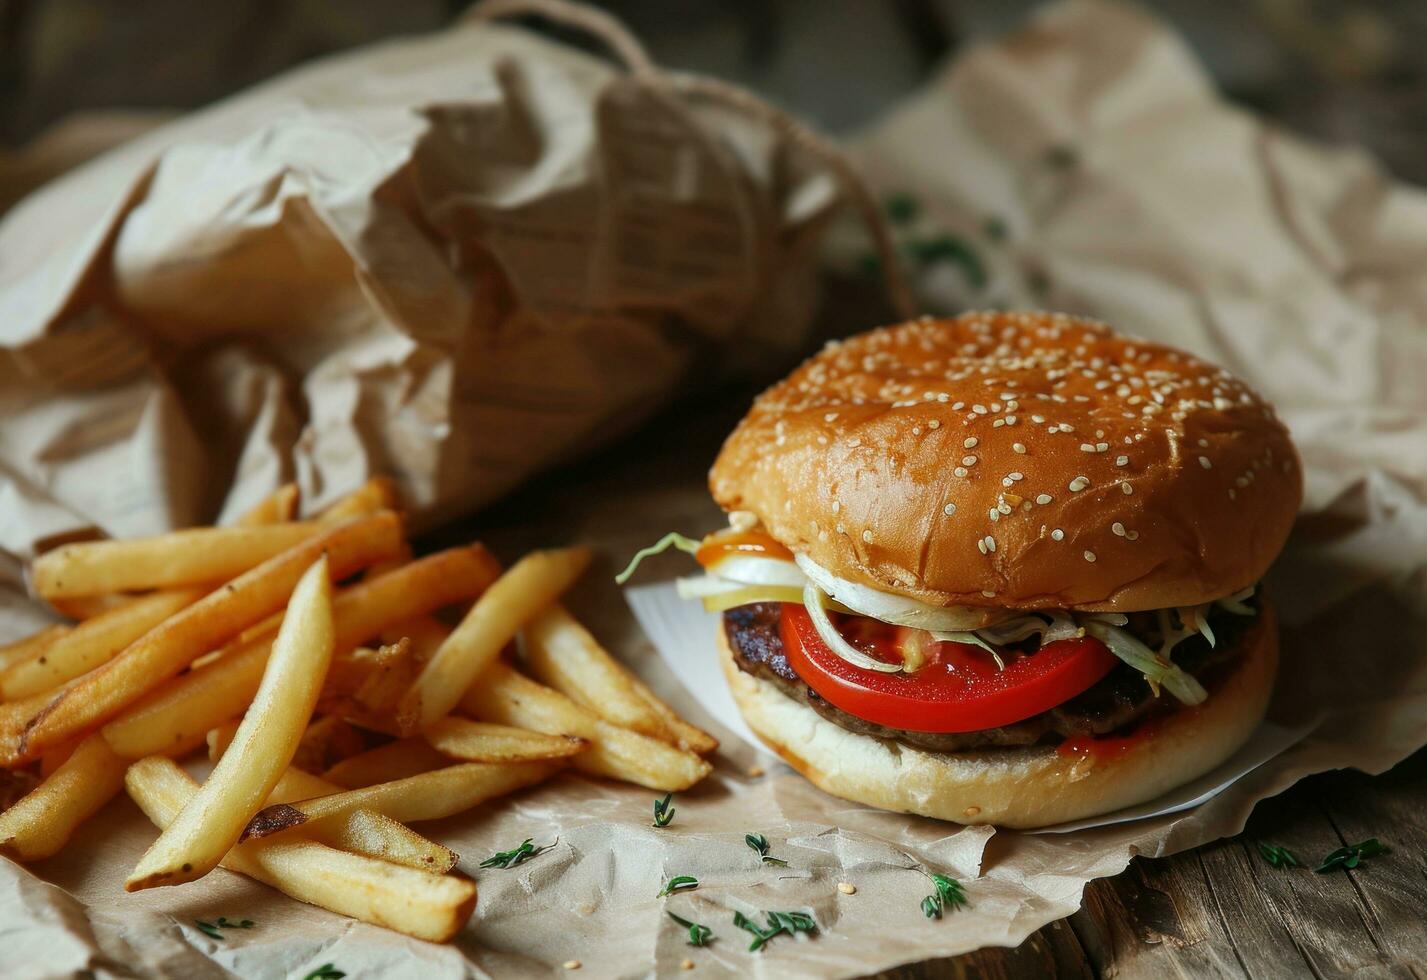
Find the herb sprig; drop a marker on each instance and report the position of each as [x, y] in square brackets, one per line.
[517, 855]
[949, 895]
[1350, 856]
[678, 883]
[210, 929]
[759, 843]
[779, 923]
[699, 935]
[327, 971]
[1278, 857]
[663, 812]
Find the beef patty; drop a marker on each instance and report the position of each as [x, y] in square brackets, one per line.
[1117, 702]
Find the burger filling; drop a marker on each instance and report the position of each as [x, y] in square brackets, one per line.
[953, 678]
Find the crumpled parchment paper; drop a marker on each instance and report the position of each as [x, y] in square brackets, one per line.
[1082, 163]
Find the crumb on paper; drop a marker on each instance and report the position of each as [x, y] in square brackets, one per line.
[847, 888]
[755, 771]
[572, 964]
[688, 964]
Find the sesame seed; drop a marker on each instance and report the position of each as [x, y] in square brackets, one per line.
[1004, 507]
[836, 506]
[916, 431]
[1100, 447]
[969, 443]
[1204, 462]
[1015, 475]
[981, 546]
[867, 536]
[1131, 535]
[988, 593]
[1086, 447]
[1044, 499]
[1122, 461]
[968, 461]
[990, 543]
[1203, 443]
[949, 509]
[830, 417]
[1038, 419]
[1078, 484]
[960, 471]
[1057, 534]
[1018, 447]
[998, 423]
[1090, 556]
[1126, 489]
[1118, 529]
[979, 409]
[934, 424]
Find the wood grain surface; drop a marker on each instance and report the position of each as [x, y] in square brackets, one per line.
[1217, 911]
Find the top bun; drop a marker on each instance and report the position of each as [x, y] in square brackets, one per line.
[1018, 460]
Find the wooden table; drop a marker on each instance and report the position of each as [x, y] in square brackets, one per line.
[1220, 910]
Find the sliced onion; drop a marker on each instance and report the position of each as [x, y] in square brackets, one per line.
[1194, 617]
[1235, 603]
[751, 570]
[744, 595]
[813, 598]
[876, 604]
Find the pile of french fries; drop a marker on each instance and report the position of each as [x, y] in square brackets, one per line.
[309, 660]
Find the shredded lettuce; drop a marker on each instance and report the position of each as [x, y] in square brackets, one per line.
[671, 540]
[1158, 670]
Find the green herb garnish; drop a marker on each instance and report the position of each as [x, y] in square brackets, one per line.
[1348, 857]
[663, 812]
[1278, 857]
[699, 935]
[949, 895]
[509, 859]
[679, 883]
[779, 923]
[760, 844]
[326, 971]
[210, 929]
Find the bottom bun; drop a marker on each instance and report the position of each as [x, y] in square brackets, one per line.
[1035, 786]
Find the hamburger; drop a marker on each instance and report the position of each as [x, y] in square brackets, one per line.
[1002, 568]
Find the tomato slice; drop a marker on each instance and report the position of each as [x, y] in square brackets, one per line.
[960, 689]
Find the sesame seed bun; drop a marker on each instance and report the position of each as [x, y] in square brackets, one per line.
[1018, 460]
[1016, 787]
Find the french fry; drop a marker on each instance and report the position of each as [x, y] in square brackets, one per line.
[533, 583]
[377, 494]
[364, 832]
[40, 823]
[427, 906]
[177, 559]
[93, 642]
[277, 507]
[185, 708]
[31, 646]
[372, 683]
[386, 763]
[479, 741]
[424, 633]
[327, 741]
[501, 695]
[562, 653]
[82, 607]
[263, 746]
[427, 796]
[14, 785]
[168, 648]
